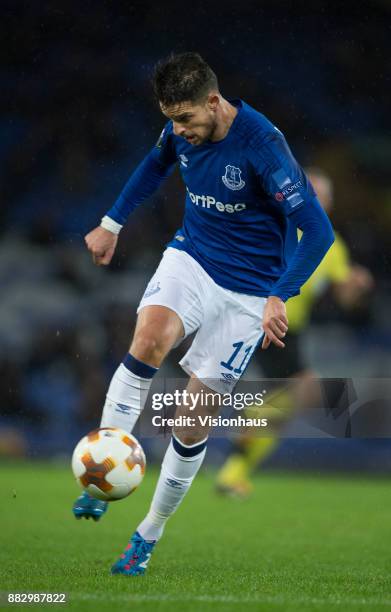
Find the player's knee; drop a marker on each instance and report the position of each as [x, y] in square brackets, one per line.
[190, 439]
[149, 346]
[144, 345]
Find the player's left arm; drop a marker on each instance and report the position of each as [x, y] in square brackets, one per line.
[290, 191]
[316, 240]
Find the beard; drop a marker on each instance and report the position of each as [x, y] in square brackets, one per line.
[211, 129]
[203, 132]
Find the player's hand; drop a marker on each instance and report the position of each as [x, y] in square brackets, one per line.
[349, 293]
[361, 279]
[101, 243]
[275, 322]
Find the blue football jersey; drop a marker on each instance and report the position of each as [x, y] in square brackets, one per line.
[240, 192]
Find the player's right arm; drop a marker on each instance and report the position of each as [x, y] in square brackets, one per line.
[153, 170]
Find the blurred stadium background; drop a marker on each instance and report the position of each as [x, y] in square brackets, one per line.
[77, 114]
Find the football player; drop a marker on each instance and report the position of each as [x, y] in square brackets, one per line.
[225, 275]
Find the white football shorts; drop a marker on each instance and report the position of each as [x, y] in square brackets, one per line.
[228, 324]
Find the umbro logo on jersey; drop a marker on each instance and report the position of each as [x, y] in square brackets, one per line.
[232, 178]
[184, 160]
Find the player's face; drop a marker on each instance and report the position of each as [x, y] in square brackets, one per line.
[195, 123]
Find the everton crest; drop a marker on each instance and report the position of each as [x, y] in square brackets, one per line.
[232, 178]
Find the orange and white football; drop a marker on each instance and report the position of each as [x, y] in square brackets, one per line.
[108, 463]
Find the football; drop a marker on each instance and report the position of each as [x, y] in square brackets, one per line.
[108, 463]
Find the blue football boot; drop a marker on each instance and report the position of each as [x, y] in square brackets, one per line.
[134, 561]
[89, 507]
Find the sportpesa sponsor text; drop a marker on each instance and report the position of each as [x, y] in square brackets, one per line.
[207, 201]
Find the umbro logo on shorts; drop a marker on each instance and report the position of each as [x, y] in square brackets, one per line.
[227, 377]
[151, 290]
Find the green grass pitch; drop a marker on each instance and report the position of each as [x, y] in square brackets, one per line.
[300, 543]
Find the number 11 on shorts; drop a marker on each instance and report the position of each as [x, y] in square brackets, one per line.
[237, 349]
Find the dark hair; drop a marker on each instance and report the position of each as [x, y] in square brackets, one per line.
[184, 77]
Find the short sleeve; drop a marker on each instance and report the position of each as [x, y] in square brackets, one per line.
[281, 177]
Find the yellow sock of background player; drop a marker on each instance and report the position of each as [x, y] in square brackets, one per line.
[251, 450]
[234, 476]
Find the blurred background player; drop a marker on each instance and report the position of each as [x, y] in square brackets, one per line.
[348, 282]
